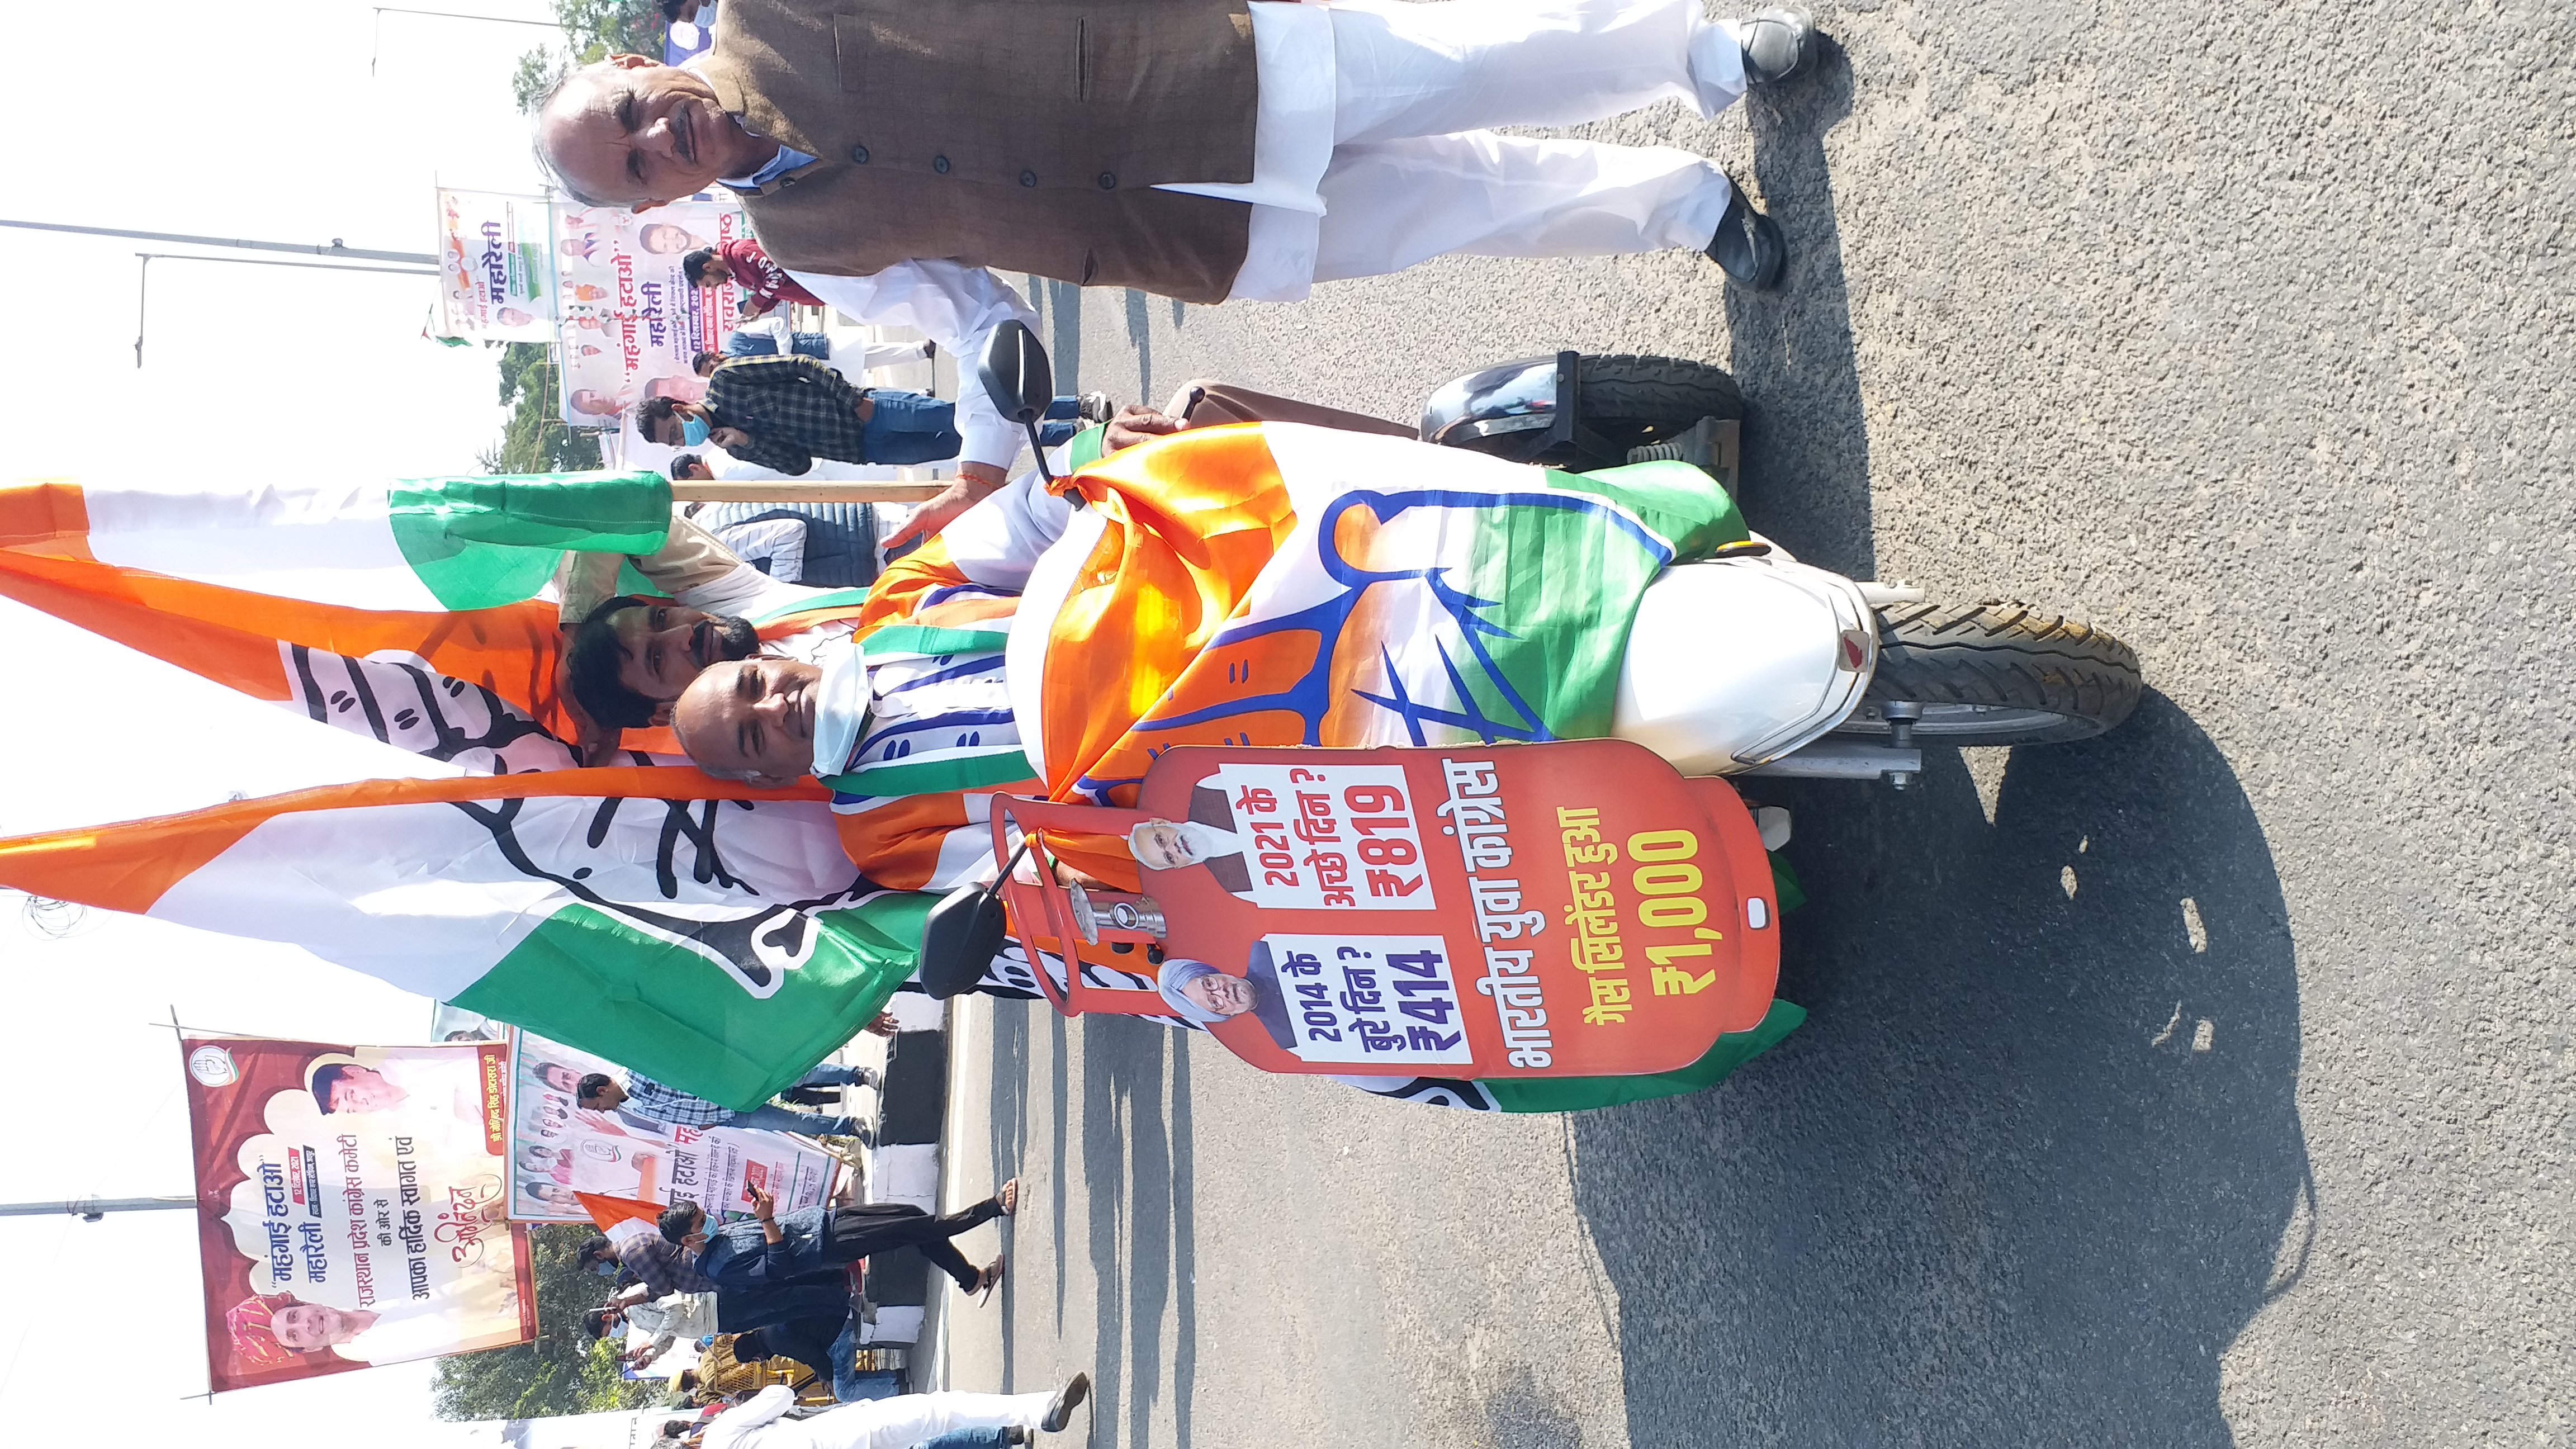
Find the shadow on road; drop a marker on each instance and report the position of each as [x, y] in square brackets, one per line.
[1139, 1222]
[1806, 447]
[2035, 1159]
[1140, 335]
[1059, 306]
[1008, 1140]
[1137, 1169]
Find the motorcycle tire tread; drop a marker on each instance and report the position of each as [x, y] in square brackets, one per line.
[1640, 398]
[2008, 655]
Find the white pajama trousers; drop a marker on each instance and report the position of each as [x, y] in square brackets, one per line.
[1417, 172]
[907, 1419]
[852, 358]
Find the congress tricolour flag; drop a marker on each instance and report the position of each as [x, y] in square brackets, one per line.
[411, 544]
[712, 936]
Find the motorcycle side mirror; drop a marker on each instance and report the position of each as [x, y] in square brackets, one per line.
[960, 938]
[1017, 378]
[1015, 373]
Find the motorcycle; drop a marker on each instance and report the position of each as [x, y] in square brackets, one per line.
[1295, 970]
[1825, 676]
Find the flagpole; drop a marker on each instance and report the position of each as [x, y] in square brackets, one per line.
[702, 491]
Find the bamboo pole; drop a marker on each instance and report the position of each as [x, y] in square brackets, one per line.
[703, 491]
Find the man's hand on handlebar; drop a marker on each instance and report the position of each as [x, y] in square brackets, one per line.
[1134, 424]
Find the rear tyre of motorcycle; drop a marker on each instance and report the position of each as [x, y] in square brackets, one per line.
[1996, 673]
[1633, 399]
[1630, 399]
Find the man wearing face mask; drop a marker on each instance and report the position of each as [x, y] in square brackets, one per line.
[911, 726]
[784, 412]
[662, 1270]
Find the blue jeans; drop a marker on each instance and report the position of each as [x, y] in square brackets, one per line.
[773, 1118]
[966, 1439]
[907, 427]
[816, 345]
[848, 1384]
[1060, 422]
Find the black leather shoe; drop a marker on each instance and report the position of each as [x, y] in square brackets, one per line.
[1748, 246]
[1775, 42]
[1067, 1399]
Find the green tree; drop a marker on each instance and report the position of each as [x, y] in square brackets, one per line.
[536, 440]
[565, 1371]
[599, 28]
[538, 72]
[593, 30]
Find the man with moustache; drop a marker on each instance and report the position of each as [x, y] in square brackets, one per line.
[1206, 151]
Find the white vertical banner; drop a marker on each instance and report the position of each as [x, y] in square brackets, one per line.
[496, 275]
[559, 1149]
[631, 325]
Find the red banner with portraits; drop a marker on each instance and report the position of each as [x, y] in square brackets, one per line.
[350, 1206]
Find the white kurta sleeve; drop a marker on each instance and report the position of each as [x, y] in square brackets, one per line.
[698, 570]
[959, 307]
[998, 541]
[762, 1408]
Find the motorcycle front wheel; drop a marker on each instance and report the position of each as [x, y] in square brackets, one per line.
[1996, 673]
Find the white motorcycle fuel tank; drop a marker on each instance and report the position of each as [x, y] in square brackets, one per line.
[1737, 661]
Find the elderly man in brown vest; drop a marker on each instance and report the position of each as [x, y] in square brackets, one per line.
[888, 150]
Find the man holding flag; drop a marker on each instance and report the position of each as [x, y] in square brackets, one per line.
[710, 936]
[1306, 586]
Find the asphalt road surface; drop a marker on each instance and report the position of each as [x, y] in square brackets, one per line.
[2207, 1083]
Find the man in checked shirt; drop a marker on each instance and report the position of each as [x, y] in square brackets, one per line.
[641, 1096]
[784, 412]
[803, 1312]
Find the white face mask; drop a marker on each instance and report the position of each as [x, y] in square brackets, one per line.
[840, 709]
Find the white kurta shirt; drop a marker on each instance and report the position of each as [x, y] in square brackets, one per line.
[897, 1423]
[682, 1317]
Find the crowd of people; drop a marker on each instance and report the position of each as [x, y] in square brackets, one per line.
[772, 1303]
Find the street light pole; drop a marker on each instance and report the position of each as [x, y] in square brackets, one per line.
[144, 284]
[337, 248]
[376, 49]
[91, 1209]
[458, 15]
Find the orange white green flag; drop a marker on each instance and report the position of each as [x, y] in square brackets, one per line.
[411, 544]
[713, 937]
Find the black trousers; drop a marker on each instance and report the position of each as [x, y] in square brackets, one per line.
[881, 1227]
[806, 1340]
[822, 1295]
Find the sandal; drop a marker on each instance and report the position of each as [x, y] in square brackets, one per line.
[1008, 1199]
[986, 1280]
